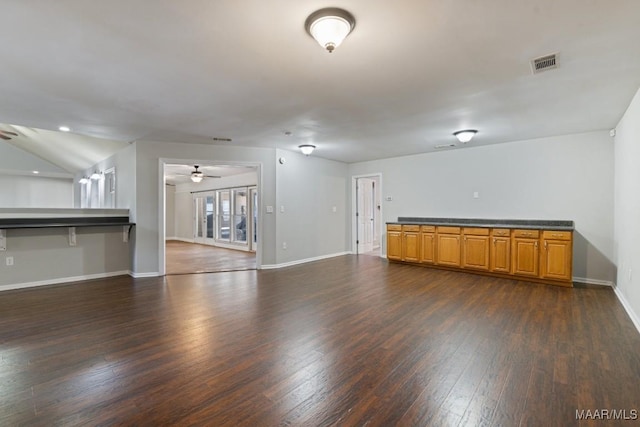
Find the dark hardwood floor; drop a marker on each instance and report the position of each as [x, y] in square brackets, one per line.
[186, 258]
[348, 341]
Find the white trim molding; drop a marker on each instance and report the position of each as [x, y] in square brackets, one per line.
[302, 261]
[627, 307]
[63, 280]
[143, 275]
[588, 281]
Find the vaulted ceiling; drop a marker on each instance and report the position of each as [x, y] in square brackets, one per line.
[411, 73]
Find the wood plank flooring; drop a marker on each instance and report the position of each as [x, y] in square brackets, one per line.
[348, 341]
[185, 258]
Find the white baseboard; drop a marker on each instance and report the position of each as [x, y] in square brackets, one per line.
[588, 281]
[627, 307]
[62, 280]
[143, 275]
[302, 261]
[180, 239]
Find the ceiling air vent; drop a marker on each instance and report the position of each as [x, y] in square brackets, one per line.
[438, 147]
[544, 63]
[221, 139]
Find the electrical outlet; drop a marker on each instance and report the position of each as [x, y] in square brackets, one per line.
[9, 260]
[284, 245]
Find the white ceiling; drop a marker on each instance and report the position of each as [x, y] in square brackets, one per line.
[181, 174]
[411, 73]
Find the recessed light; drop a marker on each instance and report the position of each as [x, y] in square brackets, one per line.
[36, 172]
[64, 129]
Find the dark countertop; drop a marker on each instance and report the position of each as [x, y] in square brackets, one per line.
[15, 223]
[533, 224]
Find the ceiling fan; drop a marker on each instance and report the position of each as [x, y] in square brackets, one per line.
[197, 175]
[7, 135]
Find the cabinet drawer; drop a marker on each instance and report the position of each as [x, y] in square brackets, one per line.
[476, 231]
[428, 228]
[449, 230]
[410, 228]
[556, 235]
[394, 227]
[526, 233]
[501, 232]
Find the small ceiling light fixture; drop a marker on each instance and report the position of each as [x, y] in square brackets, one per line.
[64, 129]
[197, 175]
[35, 172]
[83, 180]
[306, 148]
[466, 135]
[330, 26]
[96, 175]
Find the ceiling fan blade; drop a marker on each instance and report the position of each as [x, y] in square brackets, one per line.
[3, 136]
[212, 176]
[8, 132]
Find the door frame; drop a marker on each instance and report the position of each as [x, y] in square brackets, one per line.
[354, 207]
[162, 204]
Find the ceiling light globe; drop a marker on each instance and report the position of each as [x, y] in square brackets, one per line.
[465, 136]
[307, 149]
[330, 26]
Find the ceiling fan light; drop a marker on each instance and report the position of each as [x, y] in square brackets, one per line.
[330, 26]
[307, 149]
[197, 178]
[466, 135]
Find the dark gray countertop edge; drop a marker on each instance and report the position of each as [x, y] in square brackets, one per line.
[559, 225]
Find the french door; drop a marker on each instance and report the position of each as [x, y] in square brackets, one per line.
[204, 218]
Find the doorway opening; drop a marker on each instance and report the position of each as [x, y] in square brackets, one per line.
[367, 218]
[212, 223]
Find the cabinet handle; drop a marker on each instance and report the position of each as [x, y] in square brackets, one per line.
[494, 241]
[557, 235]
[536, 244]
[545, 246]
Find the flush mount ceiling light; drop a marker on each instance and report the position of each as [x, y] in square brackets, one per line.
[330, 26]
[197, 175]
[64, 129]
[466, 135]
[306, 148]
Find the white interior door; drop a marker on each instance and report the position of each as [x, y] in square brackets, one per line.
[365, 188]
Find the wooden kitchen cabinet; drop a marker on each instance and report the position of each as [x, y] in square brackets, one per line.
[534, 254]
[448, 246]
[556, 256]
[525, 252]
[428, 246]
[500, 253]
[394, 242]
[411, 243]
[475, 248]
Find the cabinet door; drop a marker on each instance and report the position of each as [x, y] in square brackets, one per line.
[476, 252]
[501, 254]
[449, 249]
[525, 255]
[411, 246]
[394, 245]
[556, 259]
[428, 254]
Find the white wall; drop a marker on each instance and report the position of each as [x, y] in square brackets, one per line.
[13, 159]
[627, 207]
[124, 162]
[21, 191]
[309, 188]
[565, 177]
[170, 212]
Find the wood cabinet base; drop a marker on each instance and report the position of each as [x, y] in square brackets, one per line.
[564, 283]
